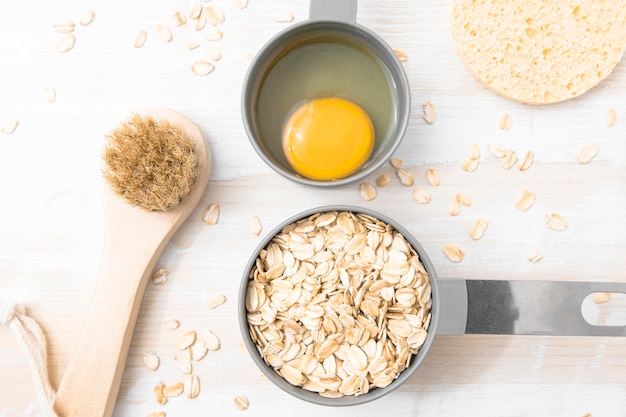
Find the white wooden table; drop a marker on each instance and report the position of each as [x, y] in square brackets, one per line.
[51, 216]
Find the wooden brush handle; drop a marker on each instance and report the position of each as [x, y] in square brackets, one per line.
[92, 379]
[134, 241]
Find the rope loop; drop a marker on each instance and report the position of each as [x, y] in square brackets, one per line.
[9, 311]
[32, 343]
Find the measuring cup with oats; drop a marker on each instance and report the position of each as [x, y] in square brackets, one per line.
[337, 306]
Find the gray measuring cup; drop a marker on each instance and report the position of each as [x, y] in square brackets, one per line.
[459, 306]
[329, 21]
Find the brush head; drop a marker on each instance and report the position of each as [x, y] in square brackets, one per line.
[150, 163]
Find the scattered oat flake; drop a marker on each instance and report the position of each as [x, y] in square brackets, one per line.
[383, 181]
[183, 364]
[212, 341]
[192, 45]
[497, 150]
[453, 252]
[156, 414]
[474, 151]
[455, 208]
[405, 177]
[213, 53]
[195, 11]
[202, 67]
[49, 94]
[171, 324]
[9, 126]
[214, 35]
[588, 152]
[429, 112]
[478, 227]
[211, 214]
[249, 57]
[192, 386]
[66, 43]
[470, 164]
[242, 4]
[202, 20]
[509, 159]
[216, 301]
[140, 40]
[602, 297]
[285, 18]
[151, 360]
[64, 29]
[186, 340]
[402, 56]
[179, 18]
[241, 402]
[255, 225]
[173, 390]
[211, 15]
[218, 14]
[506, 121]
[526, 161]
[421, 196]
[463, 200]
[158, 393]
[198, 350]
[535, 256]
[368, 191]
[526, 200]
[555, 221]
[396, 162]
[87, 17]
[64, 23]
[433, 177]
[164, 32]
[611, 117]
[159, 276]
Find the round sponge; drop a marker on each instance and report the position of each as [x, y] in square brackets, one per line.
[540, 51]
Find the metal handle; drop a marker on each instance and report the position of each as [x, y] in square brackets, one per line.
[452, 303]
[520, 307]
[342, 10]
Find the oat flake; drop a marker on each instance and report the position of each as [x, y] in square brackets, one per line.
[368, 191]
[555, 221]
[453, 252]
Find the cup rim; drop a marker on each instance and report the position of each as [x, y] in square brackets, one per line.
[347, 400]
[398, 78]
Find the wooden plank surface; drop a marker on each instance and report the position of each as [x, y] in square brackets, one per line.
[51, 216]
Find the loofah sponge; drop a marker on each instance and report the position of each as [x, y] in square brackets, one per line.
[540, 51]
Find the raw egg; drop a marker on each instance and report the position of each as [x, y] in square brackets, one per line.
[328, 138]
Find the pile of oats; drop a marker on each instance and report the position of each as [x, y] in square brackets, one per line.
[338, 303]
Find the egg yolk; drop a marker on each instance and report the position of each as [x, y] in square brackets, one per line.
[328, 138]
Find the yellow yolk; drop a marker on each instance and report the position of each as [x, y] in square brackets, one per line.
[328, 138]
